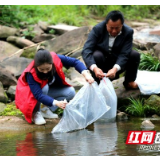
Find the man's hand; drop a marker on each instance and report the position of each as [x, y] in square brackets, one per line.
[111, 73]
[98, 72]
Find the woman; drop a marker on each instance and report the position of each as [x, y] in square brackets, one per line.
[43, 81]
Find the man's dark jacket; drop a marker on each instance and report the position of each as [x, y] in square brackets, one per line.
[98, 39]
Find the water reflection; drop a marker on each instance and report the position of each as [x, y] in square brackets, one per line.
[99, 140]
[26, 147]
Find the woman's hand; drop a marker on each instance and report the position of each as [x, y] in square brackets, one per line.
[87, 76]
[61, 104]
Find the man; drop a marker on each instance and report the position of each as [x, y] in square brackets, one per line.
[108, 49]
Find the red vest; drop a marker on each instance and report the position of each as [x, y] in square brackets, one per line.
[24, 99]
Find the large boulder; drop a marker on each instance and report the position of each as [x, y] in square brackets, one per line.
[7, 50]
[20, 42]
[68, 42]
[157, 50]
[154, 102]
[7, 31]
[16, 65]
[123, 94]
[7, 78]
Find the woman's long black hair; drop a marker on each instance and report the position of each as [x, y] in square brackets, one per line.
[41, 57]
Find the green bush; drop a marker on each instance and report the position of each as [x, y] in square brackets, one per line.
[150, 63]
[8, 15]
[79, 15]
[59, 111]
[11, 110]
[138, 109]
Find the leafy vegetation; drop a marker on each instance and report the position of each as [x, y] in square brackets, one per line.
[149, 62]
[137, 108]
[59, 111]
[11, 110]
[79, 15]
[29, 34]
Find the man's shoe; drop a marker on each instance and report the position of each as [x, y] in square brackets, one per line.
[38, 119]
[131, 86]
[47, 113]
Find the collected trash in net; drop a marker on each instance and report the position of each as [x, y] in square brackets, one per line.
[86, 107]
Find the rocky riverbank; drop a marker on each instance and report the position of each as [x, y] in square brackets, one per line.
[14, 123]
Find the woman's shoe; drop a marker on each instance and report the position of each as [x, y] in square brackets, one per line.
[38, 118]
[47, 113]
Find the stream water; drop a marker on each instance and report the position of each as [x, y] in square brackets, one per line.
[145, 36]
[98, 139]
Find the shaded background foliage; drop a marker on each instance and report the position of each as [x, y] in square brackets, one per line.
[79, 15]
